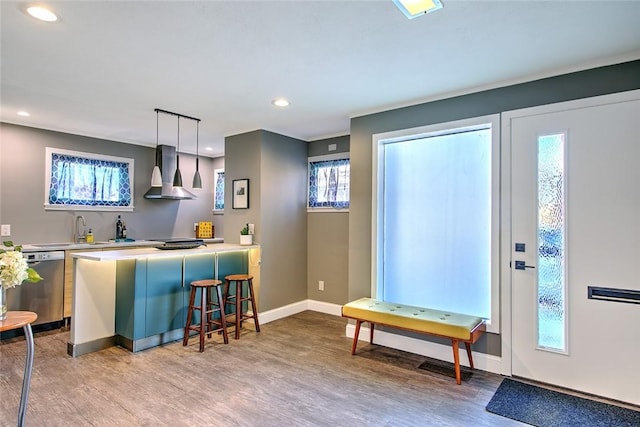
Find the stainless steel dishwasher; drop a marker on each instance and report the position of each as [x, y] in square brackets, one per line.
[45, 298]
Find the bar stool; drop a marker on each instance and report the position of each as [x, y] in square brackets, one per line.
[237, 299]
[207, 308]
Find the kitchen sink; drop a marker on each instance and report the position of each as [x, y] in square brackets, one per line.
[52, 245]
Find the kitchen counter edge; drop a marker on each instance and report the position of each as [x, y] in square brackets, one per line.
[152, 252]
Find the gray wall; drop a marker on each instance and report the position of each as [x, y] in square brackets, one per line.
[328, 241]
[594, 82]
[22, 172]
[277, 168]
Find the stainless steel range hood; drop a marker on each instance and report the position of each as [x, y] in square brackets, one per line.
[166, 160]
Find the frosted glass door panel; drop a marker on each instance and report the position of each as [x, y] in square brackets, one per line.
[437, 222]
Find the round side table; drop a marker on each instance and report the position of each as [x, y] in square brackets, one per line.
[15, 320]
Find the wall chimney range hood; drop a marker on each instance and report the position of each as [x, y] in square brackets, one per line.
[166, 160]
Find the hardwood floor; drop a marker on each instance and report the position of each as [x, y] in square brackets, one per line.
[297, 372]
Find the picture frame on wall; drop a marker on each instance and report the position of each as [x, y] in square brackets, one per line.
[240, 194]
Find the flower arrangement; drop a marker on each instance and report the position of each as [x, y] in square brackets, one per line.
[13, 271]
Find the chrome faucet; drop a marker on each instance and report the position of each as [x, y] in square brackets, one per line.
[80, 237]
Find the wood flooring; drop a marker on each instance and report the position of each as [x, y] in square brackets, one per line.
[298, 371]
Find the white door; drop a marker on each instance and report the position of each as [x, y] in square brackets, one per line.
[575, 205]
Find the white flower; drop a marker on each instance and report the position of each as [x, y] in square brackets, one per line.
[13, 269]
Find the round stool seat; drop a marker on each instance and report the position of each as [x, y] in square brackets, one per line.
[206, 283]
[239, 277]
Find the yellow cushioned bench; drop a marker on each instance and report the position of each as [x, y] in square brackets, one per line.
[457, 327]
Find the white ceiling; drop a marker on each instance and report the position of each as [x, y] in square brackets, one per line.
[103, 67]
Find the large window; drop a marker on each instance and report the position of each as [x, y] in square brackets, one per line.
[328, 182]
[436, 217]
[87, 181]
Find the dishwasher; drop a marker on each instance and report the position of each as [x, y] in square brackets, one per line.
[46, 297]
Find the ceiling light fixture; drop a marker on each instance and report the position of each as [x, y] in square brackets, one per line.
[156, 176]
[23, 113]
[280, 102]
[164, 163]
[42, 13]
[197, 181]
[177, 177]
[415, 8]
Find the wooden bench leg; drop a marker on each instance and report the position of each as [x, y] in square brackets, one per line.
[456, 359]
[355, 337]
[371, 328]
[468, 345]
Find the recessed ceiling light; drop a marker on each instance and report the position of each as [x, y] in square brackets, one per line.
[280, 102]
[42, 13]
[23, 113]
[209, 148]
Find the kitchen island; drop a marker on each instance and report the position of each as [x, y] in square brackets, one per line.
[137, 298]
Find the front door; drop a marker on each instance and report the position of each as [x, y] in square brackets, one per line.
[575, 217]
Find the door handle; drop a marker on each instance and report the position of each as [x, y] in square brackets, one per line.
[521, 265]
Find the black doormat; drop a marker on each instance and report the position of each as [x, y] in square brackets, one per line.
[446, 368]
[542, 407]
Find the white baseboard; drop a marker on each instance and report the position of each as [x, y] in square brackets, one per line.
[298, 307]
[481, 361]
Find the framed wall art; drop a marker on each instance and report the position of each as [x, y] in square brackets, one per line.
[240, 194]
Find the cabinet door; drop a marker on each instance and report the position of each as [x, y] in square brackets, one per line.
[165, 296]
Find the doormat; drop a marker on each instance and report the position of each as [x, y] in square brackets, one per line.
[542, 407]
[445, 368]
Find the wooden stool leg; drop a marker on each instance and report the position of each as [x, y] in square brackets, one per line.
[238, 308]
[355, 337]
[192, 298]
[456, 359]
[253, 305]
[469, 354]
[223, 321]
[209, 307]
[203, 316]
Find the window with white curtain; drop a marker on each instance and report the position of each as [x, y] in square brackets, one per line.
[218, 191]
[436, 209]
[87, 181]
[329, 177]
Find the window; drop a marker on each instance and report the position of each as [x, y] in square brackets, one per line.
[87, 181]
[436, 216]
[218, 191]
[328, 182]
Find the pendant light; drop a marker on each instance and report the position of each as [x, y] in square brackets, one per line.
[156, 176]
[177, 177]
[197, 181]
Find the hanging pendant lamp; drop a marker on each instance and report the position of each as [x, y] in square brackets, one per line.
[177, 177]
[156, 176]
[197, 180]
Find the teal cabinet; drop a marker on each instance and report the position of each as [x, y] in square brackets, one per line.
[152, 294]
[165, 307]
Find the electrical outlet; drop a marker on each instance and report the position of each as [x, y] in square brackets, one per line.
[5, 230]
[251, 228]
[321, 285]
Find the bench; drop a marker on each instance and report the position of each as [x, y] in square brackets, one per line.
[457, 327]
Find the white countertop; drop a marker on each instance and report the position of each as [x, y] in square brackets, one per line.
[151, 252]
[70, 246]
